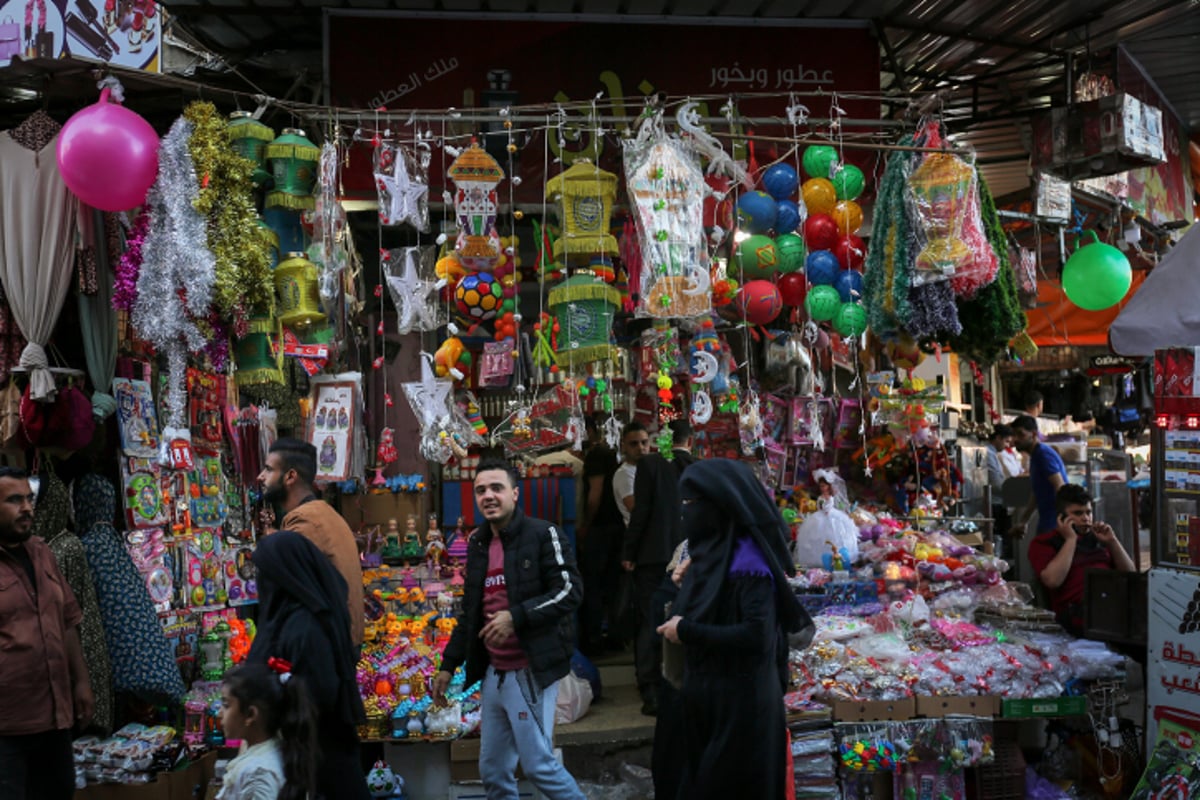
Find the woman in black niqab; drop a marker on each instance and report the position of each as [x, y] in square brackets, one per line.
[303, 620]
[732, 615]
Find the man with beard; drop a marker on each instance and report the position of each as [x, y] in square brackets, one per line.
[287, 481]
[45, 688]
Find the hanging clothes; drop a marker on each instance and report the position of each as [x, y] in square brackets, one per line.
[141, 657]
[37, 240]
[50, 523]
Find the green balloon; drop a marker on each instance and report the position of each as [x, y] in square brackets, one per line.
[848, 181]
[1097, 276]
[822, 303]
[851, 320]
[792, 252]
[818, 159]
[757, 257]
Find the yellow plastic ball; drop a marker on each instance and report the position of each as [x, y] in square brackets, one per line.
[664, 382]
[819, 195]
[848, 215]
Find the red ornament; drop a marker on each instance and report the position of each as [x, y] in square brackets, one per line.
[851, 252]
[759, 302]
[820, 232]
[793, 288]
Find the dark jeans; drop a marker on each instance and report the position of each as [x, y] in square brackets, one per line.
[647, 647]
[37, 766]
[600, 563]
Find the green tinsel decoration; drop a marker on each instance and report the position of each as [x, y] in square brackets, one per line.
[887, 273]
[994, 316]
[244, 286]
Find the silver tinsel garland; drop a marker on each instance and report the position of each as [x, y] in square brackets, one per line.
[177, 267]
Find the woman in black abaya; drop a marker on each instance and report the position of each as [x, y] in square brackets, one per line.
[732, 615]
[303, 620]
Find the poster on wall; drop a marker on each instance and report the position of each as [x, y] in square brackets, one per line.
[125, 33]
[331, 429]
[1173, 666]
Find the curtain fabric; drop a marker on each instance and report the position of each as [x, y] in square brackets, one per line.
[98, 321]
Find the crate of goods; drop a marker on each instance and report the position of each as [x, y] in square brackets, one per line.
[1004, 777]
[1071, 706]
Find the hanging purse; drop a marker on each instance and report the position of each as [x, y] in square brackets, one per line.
[10, 39]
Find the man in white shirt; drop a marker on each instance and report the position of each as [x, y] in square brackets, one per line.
[635, 443]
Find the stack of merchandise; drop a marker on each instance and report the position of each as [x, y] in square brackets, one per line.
[134, 754]
[926, 757]
[811, 736]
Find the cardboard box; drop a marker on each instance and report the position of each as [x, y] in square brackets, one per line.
[874, 710]
[1071, 706]
[947, 706]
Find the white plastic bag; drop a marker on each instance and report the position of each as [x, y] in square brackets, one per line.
[574, 699]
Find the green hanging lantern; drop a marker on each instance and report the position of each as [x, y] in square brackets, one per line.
[273, 243]
[584, 306]
[293, 160]
[249, 138]
[258, 357]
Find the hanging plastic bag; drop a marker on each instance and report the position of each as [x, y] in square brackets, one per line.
[574, 699]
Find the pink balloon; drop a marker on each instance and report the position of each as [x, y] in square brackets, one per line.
[108, 156]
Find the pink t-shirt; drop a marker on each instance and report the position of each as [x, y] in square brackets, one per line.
[508, 655]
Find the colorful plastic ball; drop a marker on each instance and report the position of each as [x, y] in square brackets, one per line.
[756, 212]
[822, 303]
[822, 268]
[759, 302]
[479, 296]
[1096, 276]
[848, 215]
[851, 252]
[820, 232]
[851, 320]
[849, 284]
[818, 160]
[791, 251]
[780, 181]
[849, 182]
[787, 217]
[819, 195]
[793, 288]
[757, 257]
[107, 155]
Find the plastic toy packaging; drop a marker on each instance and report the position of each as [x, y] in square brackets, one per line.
[867, 747]
[927, 780]
[1171, 773]
[148, 550]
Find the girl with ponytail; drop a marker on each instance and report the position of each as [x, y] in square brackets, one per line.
[269, 709]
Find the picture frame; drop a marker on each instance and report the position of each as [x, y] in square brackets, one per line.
[332, 428]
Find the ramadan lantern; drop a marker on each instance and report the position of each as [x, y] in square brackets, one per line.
[297, 295]
[249, 138]
[258, 358]
[475, 175]
[584, 306]
[939, 187]
[293, 160]
[584, 194]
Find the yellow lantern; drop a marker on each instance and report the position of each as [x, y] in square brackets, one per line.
[584, 194]
[297, 291]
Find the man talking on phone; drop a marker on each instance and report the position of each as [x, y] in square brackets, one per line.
[1061, 556]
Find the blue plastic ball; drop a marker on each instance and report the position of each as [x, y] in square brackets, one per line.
[780, 181]
[822, 268]
[788, 217]
[849, 284]
[756, 212]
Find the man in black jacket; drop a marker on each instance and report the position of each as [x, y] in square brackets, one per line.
[516, 634]
[650, 541]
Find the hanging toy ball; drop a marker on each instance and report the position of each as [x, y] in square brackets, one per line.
[791, 251]
[823, 303]
[479, 297]
[108, 155]
[851, 252]
[1096, 276]
[780, 181]
[757, 256]
[848, 215]
[819, 195]
[756, 212]
[820, 232]
[848, 181]
[759, 302]
[818, 160]
[851, 320]
[787, 217]
[793, 288]
[822, 268]
[849, 284]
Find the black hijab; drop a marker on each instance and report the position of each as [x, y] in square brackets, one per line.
[297, 588]
[722, 502]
